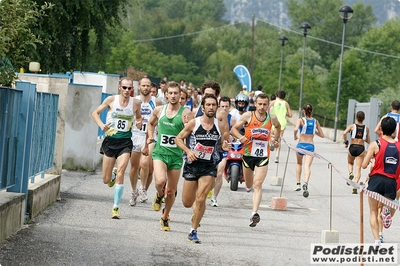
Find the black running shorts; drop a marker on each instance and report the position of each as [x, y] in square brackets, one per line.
[115, 147]
[193, 171]
[356, 150]
[383, 185]
[251, 162]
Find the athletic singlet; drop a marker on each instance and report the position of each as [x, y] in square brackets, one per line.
[146, 111]
[360, 132]
[279, 109]
[396, 117]
[257, 133]
[168, 129]
[309, 127]
[204, 142]
[189, 104]
[120, 120]
[387, 159]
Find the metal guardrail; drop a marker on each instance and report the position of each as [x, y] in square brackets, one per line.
[28, 121]
[44, 133]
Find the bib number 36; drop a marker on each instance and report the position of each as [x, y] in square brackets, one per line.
[168, 141]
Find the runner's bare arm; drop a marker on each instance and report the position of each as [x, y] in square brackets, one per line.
[378, 130]
[367, 139]
[138, 115]
[96, 113]
[296, 128]
[372, 150]
[277, 125]
[179, 140]
[347, 130]
[222, 117]
[289, 111]
[243, 120]
[152, 123]
[187, 115]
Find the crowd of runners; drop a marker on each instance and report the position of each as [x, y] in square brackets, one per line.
[172, 130]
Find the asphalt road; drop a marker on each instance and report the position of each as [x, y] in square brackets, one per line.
[78, 230]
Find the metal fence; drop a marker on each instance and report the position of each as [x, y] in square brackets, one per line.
[27, 135]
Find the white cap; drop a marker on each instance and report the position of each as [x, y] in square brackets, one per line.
[257, 93]
[244, 87]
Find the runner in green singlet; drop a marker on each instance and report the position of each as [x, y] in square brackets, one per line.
[167, 157]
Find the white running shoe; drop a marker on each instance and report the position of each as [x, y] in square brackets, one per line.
[143, 195]
[134, 196]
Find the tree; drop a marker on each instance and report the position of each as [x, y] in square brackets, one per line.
[15, 35]
[65, 32]
[323, 16]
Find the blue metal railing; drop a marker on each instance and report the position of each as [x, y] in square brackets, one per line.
[44, 133]
[10, 102]
[103, 116]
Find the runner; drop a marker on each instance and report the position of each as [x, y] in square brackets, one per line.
[256, 149]
[308, 127]
[359, 135]
[201, 151]
[140, 157]
[167, 157]
[117, 145]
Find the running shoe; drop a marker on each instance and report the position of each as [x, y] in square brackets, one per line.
[248, 190]
[351, 176]
[214, 202]
[354, 191]
[192, 220]
[192, 237]
[164, 224]
[254, 220]
[165, 193]
[143, 195]
[297, 188]
[276, 160]
[386, 218]
[113, 178]
[115, 213]
[381, 238]
[157, 202]
[134, 196]
[305, 192]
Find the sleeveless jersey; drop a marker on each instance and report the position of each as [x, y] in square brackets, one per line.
[396, 117]
[204, 142]
[360, 132]
[258, 134]
[120, 120]
[168, 129]
[189, 104]
[279, 109]
[387, 159]
[146, 111]
[309, 127]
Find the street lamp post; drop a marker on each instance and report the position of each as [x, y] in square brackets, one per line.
[345, 12]
[283, 39]
[305, 26]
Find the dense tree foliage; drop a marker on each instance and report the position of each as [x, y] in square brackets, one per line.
[15, 35]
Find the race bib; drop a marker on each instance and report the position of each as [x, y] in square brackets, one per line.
[121, 125]
[168, 141]
[259, 148]
[203, 152]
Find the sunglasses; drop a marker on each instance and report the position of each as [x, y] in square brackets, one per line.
[126, 88]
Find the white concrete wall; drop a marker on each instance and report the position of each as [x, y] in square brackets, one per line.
[80, 143]
[109, 82]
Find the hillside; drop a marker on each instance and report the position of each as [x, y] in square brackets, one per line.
[275, 11]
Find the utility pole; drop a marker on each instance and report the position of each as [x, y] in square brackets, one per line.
[252, 50]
